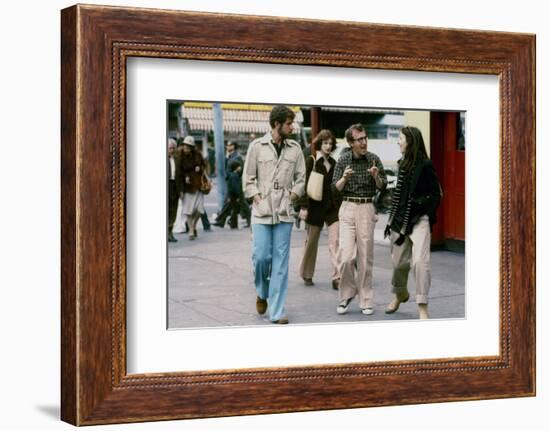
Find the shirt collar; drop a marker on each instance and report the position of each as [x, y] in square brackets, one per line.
[268, 139]
[365, 157]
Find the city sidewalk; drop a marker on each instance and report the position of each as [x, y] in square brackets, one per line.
[211, 284]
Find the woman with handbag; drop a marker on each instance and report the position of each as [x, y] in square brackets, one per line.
[319, 207]
[192, 174]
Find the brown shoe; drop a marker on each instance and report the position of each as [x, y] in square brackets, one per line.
[282, 321]
[335, 283]
[308, 281]
[394, 305]
[261, 305]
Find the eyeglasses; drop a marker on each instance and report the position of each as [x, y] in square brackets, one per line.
[359, 139]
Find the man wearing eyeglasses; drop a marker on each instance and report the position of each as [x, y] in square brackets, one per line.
[357, 175]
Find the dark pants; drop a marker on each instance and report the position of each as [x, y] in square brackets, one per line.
[224, 213]
[245, 209]
[172, 204]
[235, 207]
[205, 221]
[232, 207]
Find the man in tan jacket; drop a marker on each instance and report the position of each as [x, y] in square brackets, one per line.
[274, 177]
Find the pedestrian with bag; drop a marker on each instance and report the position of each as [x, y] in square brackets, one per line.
[192, 180]
[319, 207]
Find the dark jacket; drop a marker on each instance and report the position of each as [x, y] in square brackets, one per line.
[234, 156]
[187, 168]
[325, 210]
[178, 187]
[234, 184]
[425, 193]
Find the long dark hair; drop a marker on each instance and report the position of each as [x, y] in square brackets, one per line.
[415, 151]
[323, 135]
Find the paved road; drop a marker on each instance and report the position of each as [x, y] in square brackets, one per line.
[210, 282]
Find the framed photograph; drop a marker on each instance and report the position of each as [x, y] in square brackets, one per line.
[221, 238]
[145, 333]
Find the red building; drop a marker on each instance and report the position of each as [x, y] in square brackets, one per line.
[448, 154]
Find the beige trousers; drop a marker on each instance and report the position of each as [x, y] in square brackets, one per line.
[357, 222]
[309, 258]
[415, 253]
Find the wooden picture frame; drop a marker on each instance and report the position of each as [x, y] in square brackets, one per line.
[95, 42]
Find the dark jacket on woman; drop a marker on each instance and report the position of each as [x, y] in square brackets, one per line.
[325, 210]
[187, 164]
[423, 195]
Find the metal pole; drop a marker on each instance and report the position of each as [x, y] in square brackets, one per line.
[315, 121]
[220, 154]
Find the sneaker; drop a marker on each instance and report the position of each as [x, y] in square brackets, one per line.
[367, 311]
[343, 306]
[281, 321]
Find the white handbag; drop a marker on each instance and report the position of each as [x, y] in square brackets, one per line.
[315, 184]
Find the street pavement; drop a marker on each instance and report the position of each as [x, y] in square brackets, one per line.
[211, 285]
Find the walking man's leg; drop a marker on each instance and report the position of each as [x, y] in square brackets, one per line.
[261, 258]
[223, 214]
[278, 284]
[348, 287]
[365, 221]
[334, 251]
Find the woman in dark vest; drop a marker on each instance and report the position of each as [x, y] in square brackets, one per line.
[412, 215]
[317, 213]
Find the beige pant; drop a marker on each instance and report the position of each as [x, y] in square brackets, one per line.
[307, 264]
[357, 222]
[415, 252]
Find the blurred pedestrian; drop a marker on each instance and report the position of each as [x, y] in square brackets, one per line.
[244, 209]
[207, 169]
[173, 189]
[317, 213]
[211, 161]
[234, 192]
[412, 216]
[192, 169]
[180, 224]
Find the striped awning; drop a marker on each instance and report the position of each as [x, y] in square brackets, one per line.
[362, 110]
[236, 117]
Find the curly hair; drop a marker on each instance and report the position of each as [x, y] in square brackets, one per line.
[323, 135]
[279, 114]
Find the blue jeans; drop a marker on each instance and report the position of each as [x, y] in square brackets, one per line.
[270, 254]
